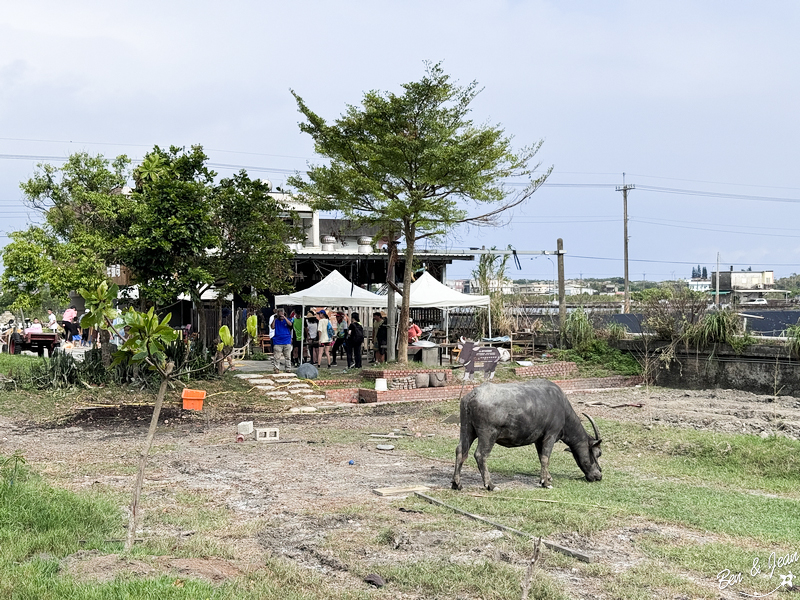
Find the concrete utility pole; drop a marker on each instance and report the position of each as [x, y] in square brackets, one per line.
[624, 189]
[717, 279]
[562, 298]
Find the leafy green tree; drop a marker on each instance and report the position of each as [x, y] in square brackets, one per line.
[414, 160]
[81, 208]
[177, 231]
[253, 254]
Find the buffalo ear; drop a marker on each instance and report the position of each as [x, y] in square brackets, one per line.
[568, 449]
[596, 442]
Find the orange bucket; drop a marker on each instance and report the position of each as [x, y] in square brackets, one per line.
[193, 399]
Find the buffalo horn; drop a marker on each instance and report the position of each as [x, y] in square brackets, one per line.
[594, 426]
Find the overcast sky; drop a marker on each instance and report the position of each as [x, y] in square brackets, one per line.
[689, 96]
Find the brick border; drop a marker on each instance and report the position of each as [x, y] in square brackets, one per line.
[389, 374]
[451, 392]
[553, 369]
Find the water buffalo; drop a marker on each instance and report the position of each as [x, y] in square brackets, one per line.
[520, 414]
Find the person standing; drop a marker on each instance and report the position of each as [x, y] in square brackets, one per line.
[325, 330]
[352, 346]
[376, 323]
[282, 342]
[52, 322]
[312, 338]
[382, 340]
[341, 324]
[297, 336]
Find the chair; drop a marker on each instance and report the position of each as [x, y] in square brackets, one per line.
[239, 353]
[264, 342]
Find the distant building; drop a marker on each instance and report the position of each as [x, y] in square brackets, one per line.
[699, 285]
[743, 285]
[537, 288]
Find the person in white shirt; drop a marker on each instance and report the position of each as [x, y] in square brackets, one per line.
[52, 322]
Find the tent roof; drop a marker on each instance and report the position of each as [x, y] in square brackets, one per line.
[334, 290]
[427, 292]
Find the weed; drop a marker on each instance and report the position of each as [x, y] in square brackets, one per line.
[577, 330]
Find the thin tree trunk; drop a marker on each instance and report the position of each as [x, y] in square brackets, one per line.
[105, 347]
[137, 491]
[405, 309]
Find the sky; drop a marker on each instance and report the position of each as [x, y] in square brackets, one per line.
[696, 102]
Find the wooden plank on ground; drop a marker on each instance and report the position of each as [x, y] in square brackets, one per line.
[397, 491]
[552, 545]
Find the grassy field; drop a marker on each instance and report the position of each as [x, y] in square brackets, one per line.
[676, 507]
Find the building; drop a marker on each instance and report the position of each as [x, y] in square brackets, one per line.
[697, 284]
[357, 252]
[743, 285]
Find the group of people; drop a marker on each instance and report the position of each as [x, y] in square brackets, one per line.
[321, 334]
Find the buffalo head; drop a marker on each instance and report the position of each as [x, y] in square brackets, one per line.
[587, 452]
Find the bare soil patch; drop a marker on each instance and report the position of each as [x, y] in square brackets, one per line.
[292, 499]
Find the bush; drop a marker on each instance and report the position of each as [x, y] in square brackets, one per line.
[598, 353]
[577, 330]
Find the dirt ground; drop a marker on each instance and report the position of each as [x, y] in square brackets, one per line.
[288, 498]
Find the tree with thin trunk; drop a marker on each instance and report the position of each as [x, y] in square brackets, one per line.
[146, 343]
[415, 162]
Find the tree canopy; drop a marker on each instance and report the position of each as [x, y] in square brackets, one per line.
[416, 162]
[177, 230]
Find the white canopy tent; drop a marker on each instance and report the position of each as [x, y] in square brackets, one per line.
[333, 290]
[428, 292]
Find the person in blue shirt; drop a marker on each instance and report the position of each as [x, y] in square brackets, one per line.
[282, 342]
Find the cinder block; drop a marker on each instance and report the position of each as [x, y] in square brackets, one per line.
[245, 428]
[266, 434]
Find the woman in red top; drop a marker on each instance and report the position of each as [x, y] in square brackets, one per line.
[413, 331]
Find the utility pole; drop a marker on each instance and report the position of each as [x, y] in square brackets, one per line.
[562, 298]
[717, 279]
[624, 189]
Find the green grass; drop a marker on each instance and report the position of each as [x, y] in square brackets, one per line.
[16, 366]
[483, 579]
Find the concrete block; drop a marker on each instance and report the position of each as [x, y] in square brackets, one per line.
[284, 376]
[277, 394]
[245, 428]
[261, 381]
[266, 434]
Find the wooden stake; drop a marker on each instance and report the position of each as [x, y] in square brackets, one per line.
[538, 500]
[526, 583]
[552, 545]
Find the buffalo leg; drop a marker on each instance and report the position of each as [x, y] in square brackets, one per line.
[485, 445]
[462, 451]
[545, 448]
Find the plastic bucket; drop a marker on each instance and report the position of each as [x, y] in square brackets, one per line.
[193, 399]
[380, 384]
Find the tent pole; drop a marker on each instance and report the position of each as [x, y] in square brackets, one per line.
[490, 316]
[302, 332]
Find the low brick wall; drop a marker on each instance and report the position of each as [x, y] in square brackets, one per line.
[390, 374]
[554, 369]
[598, 383]
[367, 396]
[370, 396]
[347, 395]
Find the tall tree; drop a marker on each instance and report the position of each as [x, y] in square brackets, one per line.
[417, 162]
[81, 204]
[177, 231]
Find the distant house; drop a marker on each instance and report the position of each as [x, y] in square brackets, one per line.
[743, 285]
[697, 284]
[536, 288]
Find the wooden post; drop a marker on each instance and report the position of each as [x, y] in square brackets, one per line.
[562, 299]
